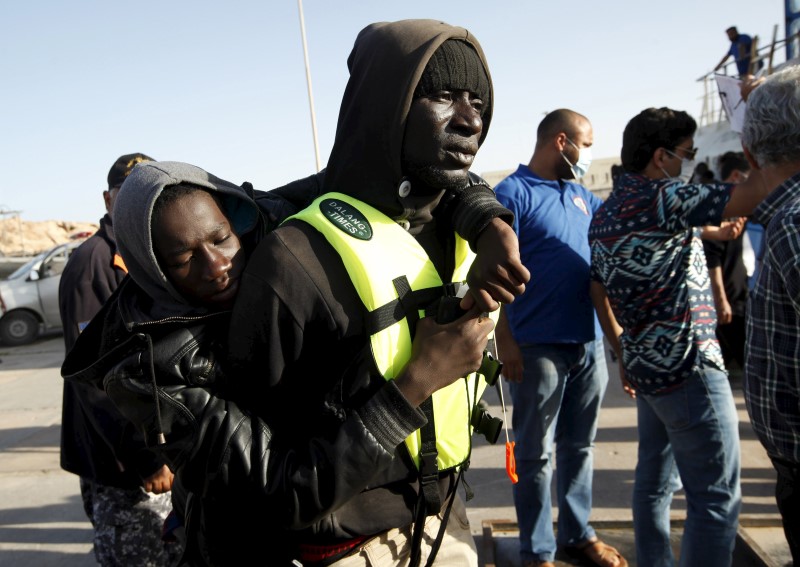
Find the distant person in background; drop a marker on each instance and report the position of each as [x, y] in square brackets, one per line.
[771, 138]
[728, 274]
[125, 488]
[707, 177]
[741, 47]
[701, 172]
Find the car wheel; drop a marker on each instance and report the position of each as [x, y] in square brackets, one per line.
[18, 328]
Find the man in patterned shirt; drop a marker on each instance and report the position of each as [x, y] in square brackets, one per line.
[771, 138]
[650, 285]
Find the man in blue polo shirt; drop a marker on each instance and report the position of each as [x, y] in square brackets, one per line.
[551, 345]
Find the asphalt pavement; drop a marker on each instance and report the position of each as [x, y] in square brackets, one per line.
[42, 523]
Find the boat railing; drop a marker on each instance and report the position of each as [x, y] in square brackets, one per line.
[764, 61]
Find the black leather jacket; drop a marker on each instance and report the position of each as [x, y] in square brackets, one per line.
[166, 378]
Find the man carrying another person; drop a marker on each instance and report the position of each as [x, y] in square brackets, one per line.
[290, 490]
[359, 270]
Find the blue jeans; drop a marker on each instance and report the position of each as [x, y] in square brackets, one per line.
[694, 429]
[567, 380]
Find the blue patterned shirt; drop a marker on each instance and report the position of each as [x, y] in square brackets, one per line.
[647, 253]
[772, 367]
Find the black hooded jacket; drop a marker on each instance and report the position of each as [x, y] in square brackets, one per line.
[97, 442]
[297, 337]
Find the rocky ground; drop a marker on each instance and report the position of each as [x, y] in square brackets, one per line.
[19, 237]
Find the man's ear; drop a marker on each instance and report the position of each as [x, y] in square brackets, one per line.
[107, 200]
[561, 141]
[750, 158]
[660, 157]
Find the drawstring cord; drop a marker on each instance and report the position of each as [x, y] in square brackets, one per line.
[161, 439]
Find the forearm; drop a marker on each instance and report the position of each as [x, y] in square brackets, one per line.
[608, 322]
[503, 330]
[472, 209]
[301, 482]
[508, 350]
[746, 196]
[218, 447]
[717, 285]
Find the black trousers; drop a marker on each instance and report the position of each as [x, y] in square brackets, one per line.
[731, 338]
[787, 495]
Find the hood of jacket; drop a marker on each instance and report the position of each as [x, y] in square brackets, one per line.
[386, 63]
[132, 220]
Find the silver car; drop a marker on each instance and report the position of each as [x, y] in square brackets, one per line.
[29, 296]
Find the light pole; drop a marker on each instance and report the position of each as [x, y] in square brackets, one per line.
[308, 81]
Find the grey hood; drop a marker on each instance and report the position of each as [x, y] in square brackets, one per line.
[132, 215]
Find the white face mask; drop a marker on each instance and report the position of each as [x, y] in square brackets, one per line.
[687, 168]
[580, 167]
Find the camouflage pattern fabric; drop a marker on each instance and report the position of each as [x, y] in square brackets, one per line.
[128, 526]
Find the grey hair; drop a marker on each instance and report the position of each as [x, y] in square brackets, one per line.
[772, 120]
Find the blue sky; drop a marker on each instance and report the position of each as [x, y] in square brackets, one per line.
[223, 85]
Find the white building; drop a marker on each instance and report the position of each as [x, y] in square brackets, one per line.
[597, 179]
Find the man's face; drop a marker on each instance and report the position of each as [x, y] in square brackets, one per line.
[732, 34]
[198, 250]
[441, 138]
[582, 136]
[685, 150]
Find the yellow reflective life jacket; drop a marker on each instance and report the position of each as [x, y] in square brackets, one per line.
[376, 251]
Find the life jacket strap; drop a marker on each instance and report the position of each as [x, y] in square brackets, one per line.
[428, 462]
[419, 528]
[393, 312]
[408, 302]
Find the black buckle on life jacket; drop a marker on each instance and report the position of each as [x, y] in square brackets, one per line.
[454, 289]
[485, 424]
[445, 310]
[490, 368]
[428, 467]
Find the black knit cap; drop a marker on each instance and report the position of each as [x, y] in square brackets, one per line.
[122, 168]
[455, 66]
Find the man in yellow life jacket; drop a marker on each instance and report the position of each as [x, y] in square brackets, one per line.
[333, 304]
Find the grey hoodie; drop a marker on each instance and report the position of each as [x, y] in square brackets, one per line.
[132, 217]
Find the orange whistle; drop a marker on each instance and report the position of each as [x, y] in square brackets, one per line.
[511, 463]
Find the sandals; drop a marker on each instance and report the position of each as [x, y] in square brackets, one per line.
[595, 553]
